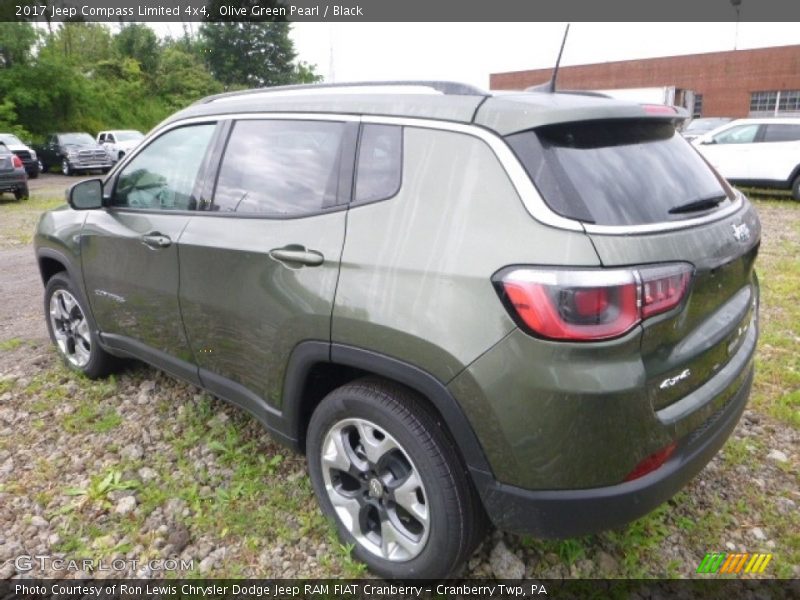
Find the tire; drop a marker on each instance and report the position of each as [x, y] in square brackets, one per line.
[796, 188]
[72, 330]
[120, 155]
[66, 169]
[106, 170]
[34, 174]
[21, 193]
[434, 526]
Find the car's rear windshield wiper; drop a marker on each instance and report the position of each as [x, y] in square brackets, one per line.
[698, 205]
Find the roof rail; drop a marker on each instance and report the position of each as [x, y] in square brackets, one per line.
[448, 88]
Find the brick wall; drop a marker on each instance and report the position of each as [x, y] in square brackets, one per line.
[724, 78]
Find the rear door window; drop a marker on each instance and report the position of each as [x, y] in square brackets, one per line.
[618, 172]
[280, 168]
[780, 132]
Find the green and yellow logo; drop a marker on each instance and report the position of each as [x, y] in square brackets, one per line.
[721, 562]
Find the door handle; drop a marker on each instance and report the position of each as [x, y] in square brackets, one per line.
[295, 255]
[156, 240]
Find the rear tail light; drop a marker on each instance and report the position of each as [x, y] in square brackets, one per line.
[590, 304]
[17, 162]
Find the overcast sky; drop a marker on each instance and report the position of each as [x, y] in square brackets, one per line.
[468, 52]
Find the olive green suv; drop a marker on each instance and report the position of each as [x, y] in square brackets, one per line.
[536, 310]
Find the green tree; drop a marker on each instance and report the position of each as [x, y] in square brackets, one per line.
[252, 54]
[139, 42]
[80, 43]
[16, 44]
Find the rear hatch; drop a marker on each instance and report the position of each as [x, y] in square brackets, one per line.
[646, 197]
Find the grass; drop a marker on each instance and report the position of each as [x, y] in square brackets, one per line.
[10, 344]
[18, 219]
[777, 386]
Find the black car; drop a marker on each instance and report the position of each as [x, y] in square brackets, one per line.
[26, 155]
[75, 152]
[12, 174]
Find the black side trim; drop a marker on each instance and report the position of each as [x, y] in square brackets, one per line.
[303, 358]
[121, 344]
[238, 395]
[415, 378]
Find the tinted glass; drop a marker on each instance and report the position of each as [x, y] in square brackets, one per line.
[616, 172]
[744, 134]
[782, 133]
[163, 175]
[280, 167]
[379, 163]
[77, 139]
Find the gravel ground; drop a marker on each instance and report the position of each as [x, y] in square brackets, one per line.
[143, 467]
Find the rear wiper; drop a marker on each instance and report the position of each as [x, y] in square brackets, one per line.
[698, 205]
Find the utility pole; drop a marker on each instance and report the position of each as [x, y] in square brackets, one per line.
[737, 7]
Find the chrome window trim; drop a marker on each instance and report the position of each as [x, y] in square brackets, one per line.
[528, 193]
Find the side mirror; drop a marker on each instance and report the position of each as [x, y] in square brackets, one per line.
[86, 195]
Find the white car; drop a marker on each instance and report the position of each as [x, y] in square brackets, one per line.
[757, 152]
[119, 142]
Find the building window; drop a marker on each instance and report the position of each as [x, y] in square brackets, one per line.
[775, 103]
[697, 111]
[789, 102]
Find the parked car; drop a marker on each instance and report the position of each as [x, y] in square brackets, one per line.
[75, 152]
[119, 142]
[699, 126]
[537, 308]
[756, 152]
[27, 155]
[12, 173]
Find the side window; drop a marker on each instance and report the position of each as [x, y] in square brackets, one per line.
[782, 133]
[380, 163]
[744, 134]
[110, 138]
[163, 175]
[101, 138]
[280, 168]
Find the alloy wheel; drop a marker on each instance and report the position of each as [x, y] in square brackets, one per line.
[375, 489]
[70, 328]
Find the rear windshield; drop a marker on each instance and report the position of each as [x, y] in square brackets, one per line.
[619, 172]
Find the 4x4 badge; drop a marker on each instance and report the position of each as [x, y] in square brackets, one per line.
[741, 232]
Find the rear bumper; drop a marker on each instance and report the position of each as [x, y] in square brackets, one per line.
[567, 513]
[9, 183]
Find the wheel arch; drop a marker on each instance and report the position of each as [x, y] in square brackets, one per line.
[50, 263]
[316, 368]
[795, 174]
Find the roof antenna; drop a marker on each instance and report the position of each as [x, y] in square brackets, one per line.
[550, 86]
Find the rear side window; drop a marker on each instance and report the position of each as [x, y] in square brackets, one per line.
[744, 134]
[617, 172]
[777, 132]
[280, 168]
[380, 161]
